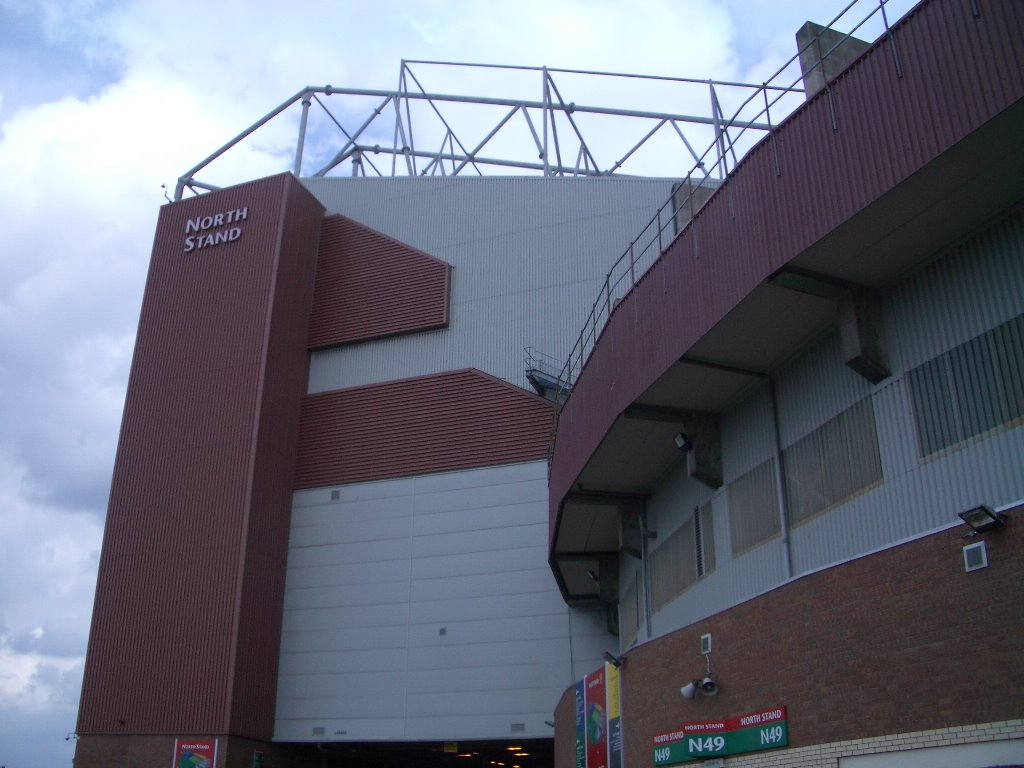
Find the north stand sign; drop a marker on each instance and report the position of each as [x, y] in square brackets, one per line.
[767, 729]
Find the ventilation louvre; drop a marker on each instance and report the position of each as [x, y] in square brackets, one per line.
[975, 557]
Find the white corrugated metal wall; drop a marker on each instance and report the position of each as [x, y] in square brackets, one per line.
[529, 257]
[971, 289]
[424, 609]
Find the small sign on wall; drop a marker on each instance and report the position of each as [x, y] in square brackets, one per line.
[752, 732]
[195, 753]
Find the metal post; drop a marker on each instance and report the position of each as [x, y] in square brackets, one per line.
[892, 41]
[302, 135]
[771, 131]
[719, 146]
[546, 111]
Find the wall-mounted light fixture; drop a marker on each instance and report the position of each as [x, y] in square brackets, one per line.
[981, 519]
[611, 658]
[683, 443]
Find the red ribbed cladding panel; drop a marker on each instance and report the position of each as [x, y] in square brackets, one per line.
[958, 73]
[369, 286]
[186, 622]
[456, 420]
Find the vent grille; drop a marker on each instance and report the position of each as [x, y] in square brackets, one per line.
[975, 557]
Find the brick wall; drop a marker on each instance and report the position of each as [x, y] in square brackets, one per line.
[899, 642]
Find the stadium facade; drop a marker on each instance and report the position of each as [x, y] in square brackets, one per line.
[340, 532]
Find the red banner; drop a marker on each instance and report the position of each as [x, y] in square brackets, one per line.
[195, 753]
[596, 718]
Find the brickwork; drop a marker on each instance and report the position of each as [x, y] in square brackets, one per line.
[902, 641]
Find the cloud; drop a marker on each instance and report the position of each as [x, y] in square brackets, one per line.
[33, 682]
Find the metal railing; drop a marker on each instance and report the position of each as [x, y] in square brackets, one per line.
[756, 119]
[416, 132]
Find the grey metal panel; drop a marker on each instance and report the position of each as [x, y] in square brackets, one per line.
[348, 573]
[456, 587]
[673, 504]
[748, 438]
[590, 638]
[754, 572]
[478, 540]
[349, 660]
[526, 606]
[529, 255]
[428, 704]
[485, 678]
[985, 471]
[977, 286]
[335, 618]
[446, 502]
[354, 552]
[513, 653]
[972, 288]
[489, 631]
[448, 521]
[391, 528]
[510, 725]
[298, 641]
[366, 729]
[476, 563]
[456, 612]
[814, 388]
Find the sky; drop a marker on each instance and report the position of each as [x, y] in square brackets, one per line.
[102, 103]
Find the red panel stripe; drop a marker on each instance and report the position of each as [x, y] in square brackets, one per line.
[449, 421]
[369, 286]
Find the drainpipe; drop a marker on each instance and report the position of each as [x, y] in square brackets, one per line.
[780, 485]
[645, 571]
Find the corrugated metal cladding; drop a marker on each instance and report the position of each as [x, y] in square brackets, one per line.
[528, 254]
[423, 608]
[453, 420]
[944, 430]
[887, 128]
[186, 623]
[369, 285]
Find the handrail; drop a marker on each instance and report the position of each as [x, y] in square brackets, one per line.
[644, 251]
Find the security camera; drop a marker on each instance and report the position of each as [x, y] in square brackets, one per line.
[708, 686]
[690, 689]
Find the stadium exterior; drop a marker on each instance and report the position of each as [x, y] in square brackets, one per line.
[340, 532]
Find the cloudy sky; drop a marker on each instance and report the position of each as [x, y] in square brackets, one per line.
[104, 101]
